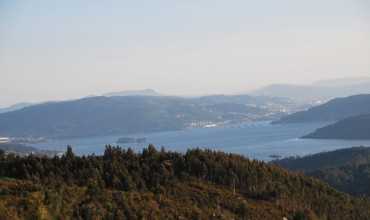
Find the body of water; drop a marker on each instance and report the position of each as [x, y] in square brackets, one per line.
[257, 140]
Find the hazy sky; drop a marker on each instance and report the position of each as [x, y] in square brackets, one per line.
[70, 48]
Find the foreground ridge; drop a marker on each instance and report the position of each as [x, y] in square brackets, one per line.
[200, 184]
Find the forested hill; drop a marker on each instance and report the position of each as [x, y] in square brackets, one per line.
[334, 110]
[133, 114]
[348, 156]
[347, 170]
[200, 184]
[356, 127]
[99, 116]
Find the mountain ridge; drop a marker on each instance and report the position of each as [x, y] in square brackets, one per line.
[101, 115]
[16, 106]
[319, 91]
[143, 92]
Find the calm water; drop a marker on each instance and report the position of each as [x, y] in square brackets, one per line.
[256, 140]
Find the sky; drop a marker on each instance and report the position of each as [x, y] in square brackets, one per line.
[55, 50]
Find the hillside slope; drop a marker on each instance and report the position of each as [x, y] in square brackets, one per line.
[331, 159]
[200, 184]
[347, 170]
[98, 115]
[334, 110]
[352, 128]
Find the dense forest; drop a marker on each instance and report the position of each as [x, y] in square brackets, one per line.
[353, 179]
[331, 159]
[200, 184]
[347, 170]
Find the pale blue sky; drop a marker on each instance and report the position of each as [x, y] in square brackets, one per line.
[66, 49]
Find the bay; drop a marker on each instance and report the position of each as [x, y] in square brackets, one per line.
[259, 140]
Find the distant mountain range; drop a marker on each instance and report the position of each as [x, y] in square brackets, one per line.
[322, 90]
[145, 92]
[334, 110]
[135, 114]
[15, 107]
[342, 82]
